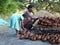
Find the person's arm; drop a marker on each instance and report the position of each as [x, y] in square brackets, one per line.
[22, 25]
[36, 22]
[30, 16]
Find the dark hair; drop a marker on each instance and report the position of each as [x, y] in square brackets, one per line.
[30, 6]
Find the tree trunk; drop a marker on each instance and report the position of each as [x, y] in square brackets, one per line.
[30, 1]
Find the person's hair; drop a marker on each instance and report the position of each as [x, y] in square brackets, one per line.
[24, 15]
[30, 6]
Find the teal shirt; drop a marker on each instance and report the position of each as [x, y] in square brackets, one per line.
[3, 22]
[14, 21]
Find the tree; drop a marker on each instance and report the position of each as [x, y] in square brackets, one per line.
[9, 6]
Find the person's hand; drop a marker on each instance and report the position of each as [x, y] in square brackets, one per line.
[38, 17]
[24, 29]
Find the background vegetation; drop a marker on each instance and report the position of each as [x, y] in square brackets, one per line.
[7, 7]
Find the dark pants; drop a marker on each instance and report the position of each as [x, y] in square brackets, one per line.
[28, 25]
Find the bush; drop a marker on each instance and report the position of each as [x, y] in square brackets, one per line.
[9, 6]
[55, 7]
[40, 5]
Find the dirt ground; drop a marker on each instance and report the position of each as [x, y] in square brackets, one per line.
[8, 37]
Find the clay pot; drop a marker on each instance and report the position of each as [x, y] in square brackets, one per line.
[50, 24]
[52, 40]
[44, 17]
[31, 34]
[36, 35]
[43, 20]
[39, 37]
[45, 24]
[42, 23]
[47, 21]
[24, 32]
[33, 38]
[58, 35]
[58, 40]
[21, 37]
[43, 37]
[55, 24]
[27, 34]
[58, 25]
[40, 20]
[48, 37]
[52, 35]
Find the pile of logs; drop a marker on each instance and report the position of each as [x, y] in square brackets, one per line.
[47, 29]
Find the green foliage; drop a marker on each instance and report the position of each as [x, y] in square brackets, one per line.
[40, 5]
[21, 5]
[7, 7]
[55, 7]
[48, 5]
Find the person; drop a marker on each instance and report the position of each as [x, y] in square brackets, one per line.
[29, 13]
[29, 17]
[3, 22]
[14, 22]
